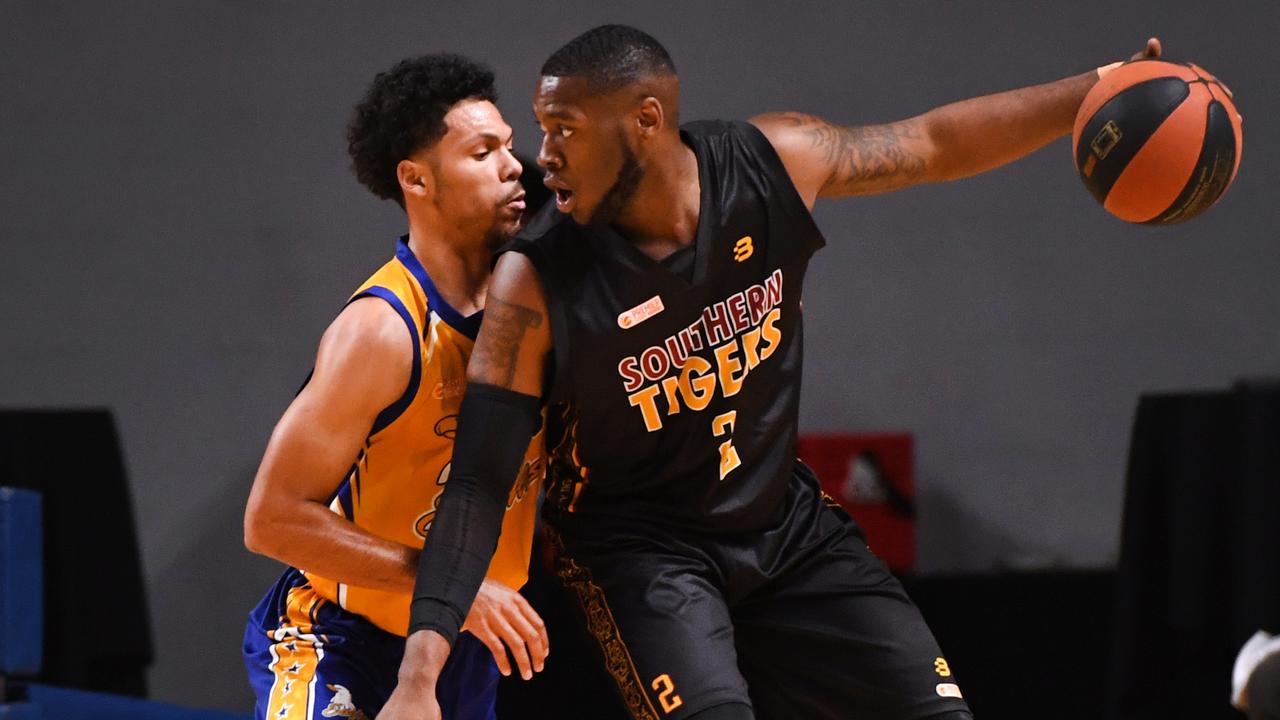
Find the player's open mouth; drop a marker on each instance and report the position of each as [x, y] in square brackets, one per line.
[564, 200]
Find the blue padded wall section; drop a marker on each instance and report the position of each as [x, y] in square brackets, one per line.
[21, 582]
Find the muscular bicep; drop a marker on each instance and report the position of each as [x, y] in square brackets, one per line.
[827, 160]
[515, 337]
[363, 365]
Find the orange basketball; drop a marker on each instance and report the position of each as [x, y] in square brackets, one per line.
[1157, 142]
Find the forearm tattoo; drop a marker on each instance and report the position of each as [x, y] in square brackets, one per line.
[498, 348]
[862, 158]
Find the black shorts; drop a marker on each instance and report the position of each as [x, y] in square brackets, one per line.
[799, 621]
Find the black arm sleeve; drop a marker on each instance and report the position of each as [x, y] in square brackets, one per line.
[494, 428]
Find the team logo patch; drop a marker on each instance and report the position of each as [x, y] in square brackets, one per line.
[941, 667]
[742, 249]
[641, 312]
[950, 690]
[341, 706]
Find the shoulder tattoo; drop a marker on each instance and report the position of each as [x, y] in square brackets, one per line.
[503, 331]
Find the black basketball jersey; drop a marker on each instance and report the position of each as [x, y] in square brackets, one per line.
[678, 391]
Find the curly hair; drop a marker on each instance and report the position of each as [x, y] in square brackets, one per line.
[403, 112]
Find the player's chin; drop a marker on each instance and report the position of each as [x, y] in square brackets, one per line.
[510, 220]
[504, 230]
[581, 213]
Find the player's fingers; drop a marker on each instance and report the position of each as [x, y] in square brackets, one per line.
[519, 650]
[494, 643]
[538, 636]
[1151, 51]
[533, 639]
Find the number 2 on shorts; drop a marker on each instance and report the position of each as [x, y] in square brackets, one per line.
[720, 425]
[666, 693]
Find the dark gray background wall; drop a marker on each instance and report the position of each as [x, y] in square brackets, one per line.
[178, 225]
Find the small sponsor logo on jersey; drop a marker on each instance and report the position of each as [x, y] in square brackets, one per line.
[951, 690]
[449, 388]
[743, 249]
[641, 312]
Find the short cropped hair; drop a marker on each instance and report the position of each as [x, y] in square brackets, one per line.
[610, 57]
[403, 112]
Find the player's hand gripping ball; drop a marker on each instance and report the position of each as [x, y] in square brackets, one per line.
[1157, 142]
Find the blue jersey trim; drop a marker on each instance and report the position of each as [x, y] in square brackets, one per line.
[344, 500]
[396, 409]
[467, 325]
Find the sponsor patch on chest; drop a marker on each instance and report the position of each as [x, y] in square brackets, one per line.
[641, 312]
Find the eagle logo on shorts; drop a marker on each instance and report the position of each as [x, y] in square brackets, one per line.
[341, 705]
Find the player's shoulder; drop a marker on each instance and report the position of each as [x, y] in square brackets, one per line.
[366, 347]
[731, 144]
[725, 133]
[369, 323]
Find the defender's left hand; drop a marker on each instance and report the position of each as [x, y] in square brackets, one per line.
[501, 615]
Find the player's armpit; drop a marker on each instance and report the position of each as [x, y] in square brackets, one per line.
[830, 160]
[515, 337]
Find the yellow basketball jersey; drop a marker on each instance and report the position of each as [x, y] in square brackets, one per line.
[395, 483]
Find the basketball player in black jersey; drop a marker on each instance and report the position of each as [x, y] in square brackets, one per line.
[655, 311]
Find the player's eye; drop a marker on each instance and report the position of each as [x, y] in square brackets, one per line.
[564, 131]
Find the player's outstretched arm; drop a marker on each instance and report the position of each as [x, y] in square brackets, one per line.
[947, 143]
[363, 365]
[500, 413]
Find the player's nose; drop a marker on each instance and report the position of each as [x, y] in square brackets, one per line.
[511, 167]
[546, 158]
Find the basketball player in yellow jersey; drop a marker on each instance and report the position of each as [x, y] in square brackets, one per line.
[348, 487]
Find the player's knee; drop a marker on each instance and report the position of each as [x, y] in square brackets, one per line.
[727, 711]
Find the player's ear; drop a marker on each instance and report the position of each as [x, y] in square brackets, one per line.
[416, 179]
[650, 116]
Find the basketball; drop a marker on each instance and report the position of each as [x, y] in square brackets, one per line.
[1157, 142]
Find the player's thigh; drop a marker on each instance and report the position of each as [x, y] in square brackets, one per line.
[468, 684]
[662, 628]
[298, 678]
[837, 637]
[308, 658]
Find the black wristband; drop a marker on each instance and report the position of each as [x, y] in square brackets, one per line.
[494, 428]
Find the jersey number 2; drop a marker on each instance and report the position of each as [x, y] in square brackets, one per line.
[723, 425]
[667, 693]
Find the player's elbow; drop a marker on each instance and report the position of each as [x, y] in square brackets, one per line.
[253, 535]
[257, 529]
[942, 152]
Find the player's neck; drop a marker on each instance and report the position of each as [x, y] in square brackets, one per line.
[662, 216]
[458, 267]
